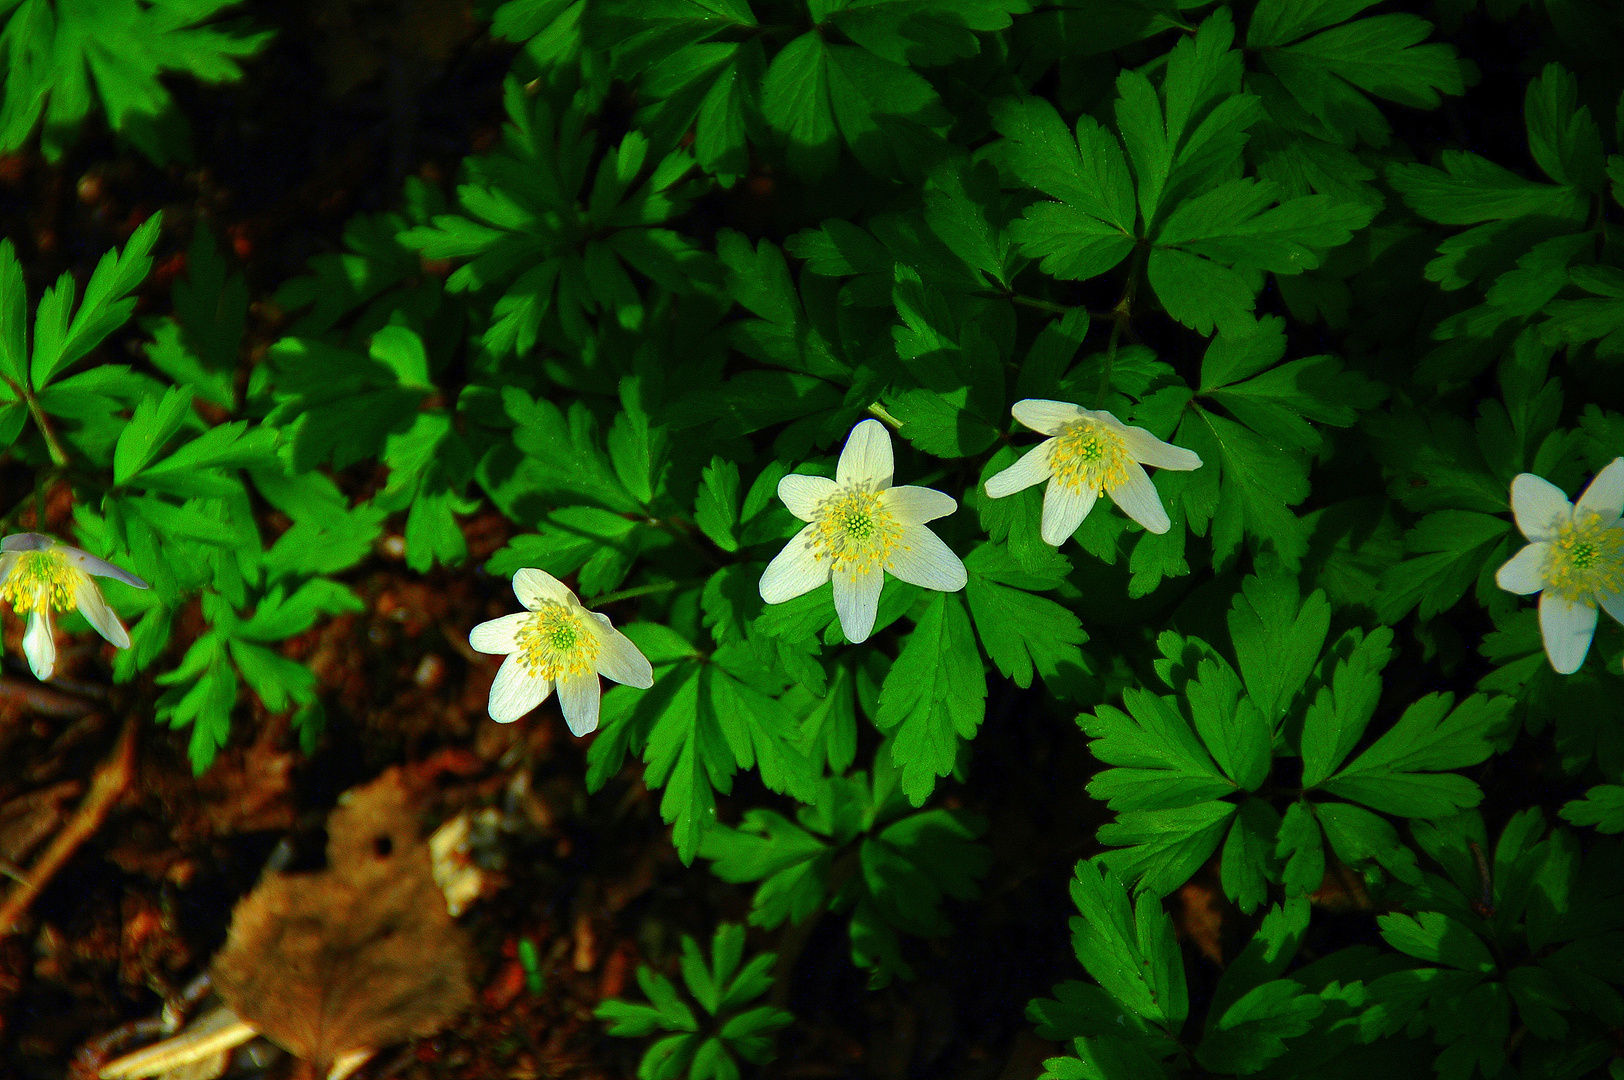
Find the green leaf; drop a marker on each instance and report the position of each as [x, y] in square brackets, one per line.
[1244, 486]
[13, 316]
[156, 420]
[1022, 633]
[791, 864]
[717, 509]
[1434, 936]
[1160, 762]
[1396, 775]
[1161, 849]
[1602, 806]
[1300, 847]
[1253, 1031]
[106, 306]
[1470, 189]
[1131, 952]
[1340, 710]
[56, 47]
[1278, 636]
[934, 695]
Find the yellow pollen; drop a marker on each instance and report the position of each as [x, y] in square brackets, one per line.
[1586, 559]
[555, 642]
[1089, 455]
[855, 532]
[40, 580]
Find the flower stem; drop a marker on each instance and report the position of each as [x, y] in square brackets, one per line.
[641, 590]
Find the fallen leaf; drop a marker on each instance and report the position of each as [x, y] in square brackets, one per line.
[358, 955]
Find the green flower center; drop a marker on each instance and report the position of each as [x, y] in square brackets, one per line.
[1586, 559]
[555, 642]
[41, 580]
[1088, 454]
[854, 531]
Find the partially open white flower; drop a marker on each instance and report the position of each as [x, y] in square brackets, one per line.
[39, 576]
[557, 642]
[1088, 454]
[1574, 559]
[861, 528]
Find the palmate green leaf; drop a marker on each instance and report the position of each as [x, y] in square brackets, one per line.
[783, 335]
[716, 510]
[1470, 189]
[934, 697]
[1022, 633]
[201, 692]
[1360, 838]
[563, 461]
[1300, 847]
[921, 33]
[56, 48]
[1160, 762]
[154, 423]
[555, 244]
[1343, 707]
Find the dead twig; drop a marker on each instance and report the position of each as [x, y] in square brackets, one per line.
[112, 778]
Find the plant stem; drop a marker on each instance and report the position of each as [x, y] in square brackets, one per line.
[641, 590]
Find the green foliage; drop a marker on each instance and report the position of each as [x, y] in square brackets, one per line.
[856, 847]
[722, 988]
[713, 236]
[53, 50]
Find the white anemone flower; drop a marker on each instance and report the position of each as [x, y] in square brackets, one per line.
[39, 576]
[1574, 559]
[859, 529]
[1088, 454]
[556, 642]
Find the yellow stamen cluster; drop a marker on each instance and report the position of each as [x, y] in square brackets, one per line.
[855, 532]
[555, 642]
[39, 581]
[1586, 559]
[1089, 455]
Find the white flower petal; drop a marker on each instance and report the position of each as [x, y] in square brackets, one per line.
[1064, 510]
[498, 635]
[1147, 449]
[533, 586]
[27, 542]
[88, 599]
[8, 563]
[917, 505]
[1033, 468]
[39, 645]
[1137, 497]
[1613, 605]
[618, 658]
[1567, 629]
[1605, 495]
[1524, 572]
[793, 571]
[88, 563]
[802, 494]
[922, 559]
[857, 600]
[515, 691]
[866, 458]
[1539, 506]
[1046, 417]
[579, 697]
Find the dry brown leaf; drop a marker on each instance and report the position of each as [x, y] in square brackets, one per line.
[357, 956]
